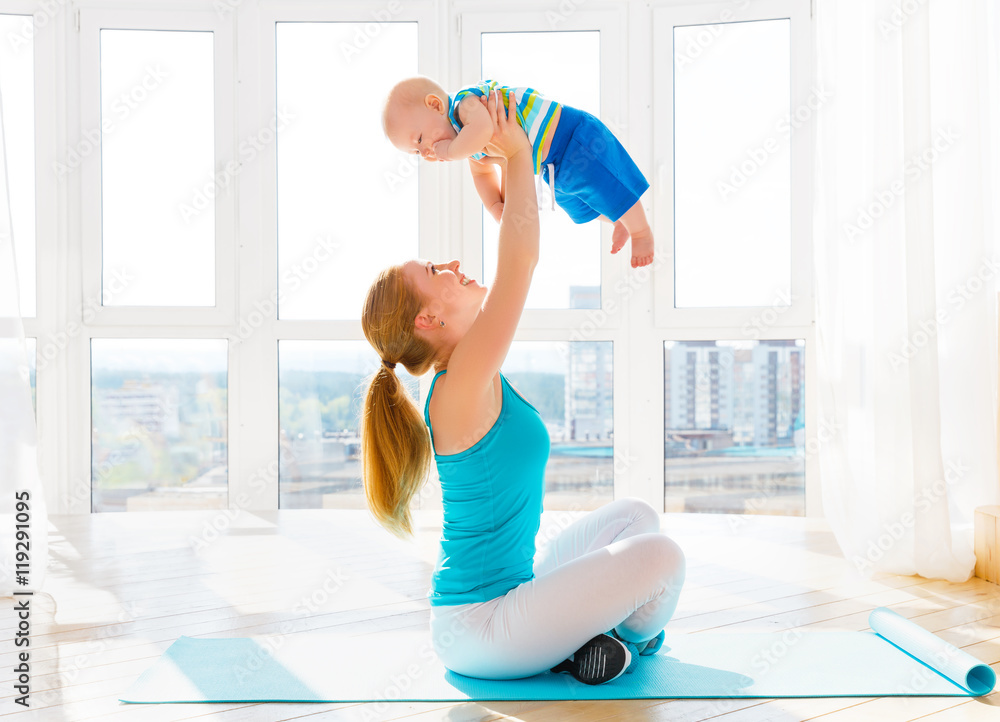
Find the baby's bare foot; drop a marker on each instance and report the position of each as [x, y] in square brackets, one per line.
[619, 237]
[642, 248]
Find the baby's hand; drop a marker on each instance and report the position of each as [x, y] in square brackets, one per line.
[441, 150]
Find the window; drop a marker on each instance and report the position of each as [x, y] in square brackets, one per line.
[336, 173]
[732, 164]
[321, 388]
[732, 110]
[217, 357]
[157, 131]
[734, 419]
[570, 256]
[159, 428]
[571, 386]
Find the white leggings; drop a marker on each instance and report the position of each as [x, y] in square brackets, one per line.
[611, 569]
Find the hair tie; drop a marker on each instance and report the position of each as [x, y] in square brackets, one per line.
[389, 364]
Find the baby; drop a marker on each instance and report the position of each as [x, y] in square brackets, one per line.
[591, 174]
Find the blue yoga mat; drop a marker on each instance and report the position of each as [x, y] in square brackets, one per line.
[897, 658]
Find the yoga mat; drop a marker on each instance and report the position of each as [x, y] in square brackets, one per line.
[898, 658]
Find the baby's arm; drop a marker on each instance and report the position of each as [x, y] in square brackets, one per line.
[477, 129]
[490, 191]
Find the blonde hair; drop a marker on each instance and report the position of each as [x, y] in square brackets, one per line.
[409, 92]
[395, 444]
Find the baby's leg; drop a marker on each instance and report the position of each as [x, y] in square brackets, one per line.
[633, 223]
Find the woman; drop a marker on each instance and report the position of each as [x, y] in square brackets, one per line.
[596, 596]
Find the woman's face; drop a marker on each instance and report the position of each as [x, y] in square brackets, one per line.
[449, 295]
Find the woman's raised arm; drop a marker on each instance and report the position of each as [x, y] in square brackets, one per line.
[478, 356]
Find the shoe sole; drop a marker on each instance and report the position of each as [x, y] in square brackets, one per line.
[600, 660]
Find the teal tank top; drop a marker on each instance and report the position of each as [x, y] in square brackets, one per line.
[491, 494]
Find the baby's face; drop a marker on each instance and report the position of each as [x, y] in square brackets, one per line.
[416, 128]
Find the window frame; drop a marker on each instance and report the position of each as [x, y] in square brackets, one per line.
[92, 21]
[796, 321]
[449, 226]
[610, 24]
[258, 408]
[665, 18]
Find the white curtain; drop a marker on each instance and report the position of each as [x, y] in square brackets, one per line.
[907, 263]
[18, 456]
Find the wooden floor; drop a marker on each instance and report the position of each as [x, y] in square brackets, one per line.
[125, 586]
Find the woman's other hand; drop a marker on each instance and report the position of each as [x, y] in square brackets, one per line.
[509, 138]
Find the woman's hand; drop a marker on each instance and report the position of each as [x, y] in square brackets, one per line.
[509, 138]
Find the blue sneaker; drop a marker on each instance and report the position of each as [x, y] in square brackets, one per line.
[600, 660]
[653, 645]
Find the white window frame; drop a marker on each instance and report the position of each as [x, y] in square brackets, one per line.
[611, 24]
[92, 21]
[49, 318]
[634, 472]
[665, 18]
[737, 323]
[257, 403]
[631, 317]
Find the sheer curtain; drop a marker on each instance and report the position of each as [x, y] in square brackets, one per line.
[18, 459]
[906, 278]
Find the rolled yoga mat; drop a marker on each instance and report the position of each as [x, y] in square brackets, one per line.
[898, 658]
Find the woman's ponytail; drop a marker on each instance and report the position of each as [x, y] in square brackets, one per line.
[395, 444]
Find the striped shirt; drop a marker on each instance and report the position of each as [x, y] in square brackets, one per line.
[534, 114]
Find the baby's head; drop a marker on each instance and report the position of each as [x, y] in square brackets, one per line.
[415, 116]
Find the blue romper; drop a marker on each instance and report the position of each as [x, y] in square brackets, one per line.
[596, 175]
[492, 499]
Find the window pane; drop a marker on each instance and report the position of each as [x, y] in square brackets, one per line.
[347, 199]
[159, 410]
[734, 426]
[321, 387]
[732, 165]
[158, 176]
[569, 254]
[570, 383]
[17, 86]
